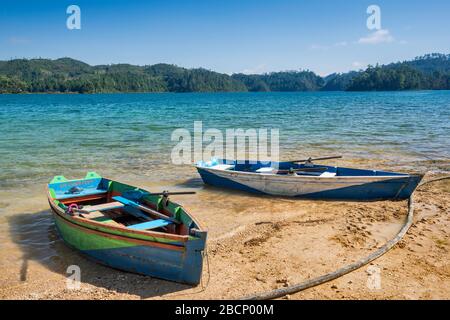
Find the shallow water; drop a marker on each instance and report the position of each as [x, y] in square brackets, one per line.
[128, 137]
[129, 134]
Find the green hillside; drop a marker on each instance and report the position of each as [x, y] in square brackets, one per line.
[67, 75]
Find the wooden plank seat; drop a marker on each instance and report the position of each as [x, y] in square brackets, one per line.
[148, 225]
[82, 193]
[103, 207]
[93, 215]
[100, 217]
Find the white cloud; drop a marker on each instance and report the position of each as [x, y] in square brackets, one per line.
[377, 37]
[256, 70]
[318, 47]
[325, 47]
[359, 65]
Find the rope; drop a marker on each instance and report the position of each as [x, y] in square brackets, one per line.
[277, 293]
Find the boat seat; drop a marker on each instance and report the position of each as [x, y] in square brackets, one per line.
[100, 217]
[82, 193]
[103, 206]
[137, 213]
[148, 225]
[93, 215]
[125, 201]
[265, 170]
[222, 167]
[328, 174]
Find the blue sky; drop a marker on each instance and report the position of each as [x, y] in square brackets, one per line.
[227, 35]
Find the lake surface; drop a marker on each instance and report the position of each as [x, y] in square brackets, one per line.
[129, 135]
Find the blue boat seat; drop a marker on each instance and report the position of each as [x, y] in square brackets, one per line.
[222, 167]
[266, 170]
[128, 202]
[331, 172]
[328, 174]
[82, 193]
[125, 201]
[148, 225]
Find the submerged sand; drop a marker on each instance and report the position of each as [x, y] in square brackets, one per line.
[255, 244]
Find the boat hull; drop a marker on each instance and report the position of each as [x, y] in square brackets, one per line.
[148, 255]
[365, 188]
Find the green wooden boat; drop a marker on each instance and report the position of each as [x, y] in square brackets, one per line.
[128, 228]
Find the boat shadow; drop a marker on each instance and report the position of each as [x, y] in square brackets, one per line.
[37, 237]
[194, 183]
[257, 195]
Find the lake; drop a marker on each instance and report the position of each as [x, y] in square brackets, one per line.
[129, 135]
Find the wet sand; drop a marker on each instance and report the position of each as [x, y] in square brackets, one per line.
[255, 244]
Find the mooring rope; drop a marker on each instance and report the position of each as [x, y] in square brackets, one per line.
[278, 293]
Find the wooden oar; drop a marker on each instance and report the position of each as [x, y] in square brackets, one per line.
[318, 159]
[168, 193]
[305, 169]
[155, 213]
[131, 203]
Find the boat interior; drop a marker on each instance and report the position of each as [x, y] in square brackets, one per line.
[292, 168]
[119, 205]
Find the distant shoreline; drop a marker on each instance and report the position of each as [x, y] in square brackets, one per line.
[66, 75]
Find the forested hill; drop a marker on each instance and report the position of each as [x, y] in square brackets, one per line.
[281, 81]
[430, 72]
[68, 75]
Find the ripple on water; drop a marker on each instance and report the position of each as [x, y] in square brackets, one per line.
[37, 237]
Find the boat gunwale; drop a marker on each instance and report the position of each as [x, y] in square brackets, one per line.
[312, 178]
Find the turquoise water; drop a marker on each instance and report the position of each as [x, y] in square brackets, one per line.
[129, 134]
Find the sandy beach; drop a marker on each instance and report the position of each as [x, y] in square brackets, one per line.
[255, 244]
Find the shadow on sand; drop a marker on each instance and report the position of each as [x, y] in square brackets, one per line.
[36, 235]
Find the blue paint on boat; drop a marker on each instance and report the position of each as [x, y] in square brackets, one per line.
[398, 189]
[65, 189]
[154, 224]
[180, 266]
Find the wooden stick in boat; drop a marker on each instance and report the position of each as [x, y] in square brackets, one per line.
[318, 159]
[313, 169]
[168, 193]
[156, 213]
[131, 203]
